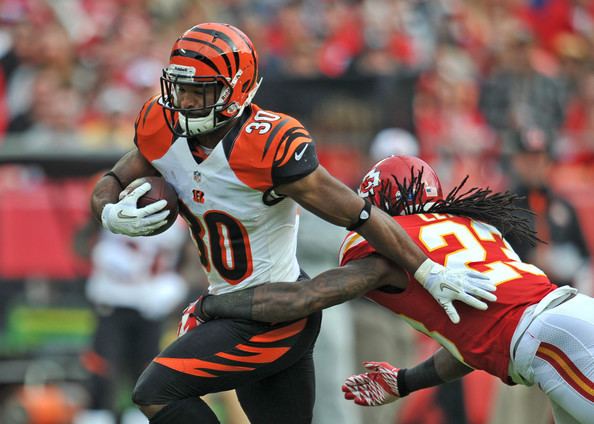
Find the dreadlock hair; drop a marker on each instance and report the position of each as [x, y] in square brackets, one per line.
[482, 204]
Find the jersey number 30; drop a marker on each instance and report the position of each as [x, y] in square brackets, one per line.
[229, 245]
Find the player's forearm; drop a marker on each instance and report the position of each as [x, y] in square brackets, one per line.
[268, 303]
[325, 196]
[106, 191]
[441, 367]
[280, 301]
[130, 166]
[287, 301]
[448, 367]
[390, 239]
[304, 298]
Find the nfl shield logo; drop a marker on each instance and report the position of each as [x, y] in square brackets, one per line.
[197, 176]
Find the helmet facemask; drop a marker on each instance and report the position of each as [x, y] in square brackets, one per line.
[196, 120]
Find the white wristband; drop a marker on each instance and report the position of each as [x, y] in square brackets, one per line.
[104, 214]
[423, 271]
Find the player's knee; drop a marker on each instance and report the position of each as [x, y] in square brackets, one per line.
[190, 410]
[139, 395]
[142, 399]
[150, 410]
[143, 404]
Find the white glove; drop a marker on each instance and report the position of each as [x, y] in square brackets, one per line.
[126, 218]
[447, 285]
[374, 388]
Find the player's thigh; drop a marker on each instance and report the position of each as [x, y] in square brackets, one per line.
[286, 397]
[564, 361]
[222, 355]
[569, 388]
[569, 408]
[561, 416]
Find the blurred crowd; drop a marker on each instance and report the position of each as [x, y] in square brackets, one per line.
[501, 90]
[488, 72]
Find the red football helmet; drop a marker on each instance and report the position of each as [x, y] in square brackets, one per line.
[401, 185]
[208, 56]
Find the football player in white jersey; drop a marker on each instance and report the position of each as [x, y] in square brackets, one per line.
[238, 171]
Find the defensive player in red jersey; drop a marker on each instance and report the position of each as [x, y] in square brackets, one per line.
[535, 333]
[238, 170]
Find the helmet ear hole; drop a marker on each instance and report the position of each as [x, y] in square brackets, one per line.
[245, 86]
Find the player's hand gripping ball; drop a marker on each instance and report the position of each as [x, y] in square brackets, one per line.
[160, 190]
[148, 206]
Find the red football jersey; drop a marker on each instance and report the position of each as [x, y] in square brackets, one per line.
[482, 338]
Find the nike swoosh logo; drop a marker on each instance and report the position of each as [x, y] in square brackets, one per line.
[124, 216]
[447, 286]
[299, 155]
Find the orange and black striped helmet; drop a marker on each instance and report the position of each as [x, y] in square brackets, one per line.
[217, 61]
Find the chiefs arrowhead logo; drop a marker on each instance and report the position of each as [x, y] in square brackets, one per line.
[369, 182]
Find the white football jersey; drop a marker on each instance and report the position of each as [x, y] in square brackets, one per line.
[245, 234]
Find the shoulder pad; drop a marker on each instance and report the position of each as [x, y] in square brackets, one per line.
[152, 136]
[265, 142]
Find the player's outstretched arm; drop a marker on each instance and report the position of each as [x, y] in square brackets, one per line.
[327, 197]
[331, 200]
[287, 301]
[384, 383]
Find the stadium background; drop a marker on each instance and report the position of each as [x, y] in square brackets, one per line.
[73, 74]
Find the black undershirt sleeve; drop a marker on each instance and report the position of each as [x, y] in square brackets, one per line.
[419, 377]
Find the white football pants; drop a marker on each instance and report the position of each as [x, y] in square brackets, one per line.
[553, 347]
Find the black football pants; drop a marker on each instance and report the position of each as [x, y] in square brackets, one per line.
[270, 366]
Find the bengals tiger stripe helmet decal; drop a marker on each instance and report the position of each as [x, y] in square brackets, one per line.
[219, 62]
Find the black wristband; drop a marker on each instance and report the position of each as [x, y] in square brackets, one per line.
[200, 313]
[364, 215]
[113, 174]
[401, 383]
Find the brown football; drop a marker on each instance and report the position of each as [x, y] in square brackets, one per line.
[160, 189]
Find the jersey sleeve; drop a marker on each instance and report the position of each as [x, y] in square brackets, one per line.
[270, 149]
[295, 156]
[353, 247]
[152, 136]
